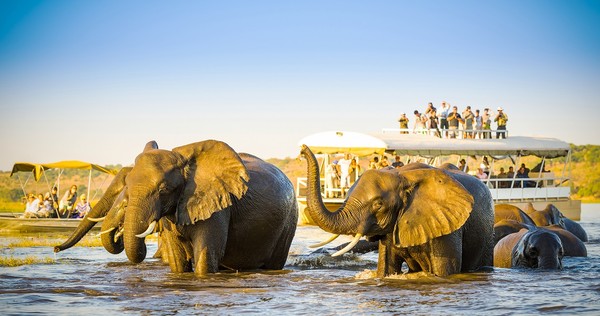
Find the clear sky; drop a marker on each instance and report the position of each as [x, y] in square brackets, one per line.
[95, 80]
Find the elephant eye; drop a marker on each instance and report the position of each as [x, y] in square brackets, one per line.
[162, 189]
[377, 204]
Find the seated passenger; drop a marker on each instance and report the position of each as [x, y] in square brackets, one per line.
[523, 174]
[503, 175]
[67, 203]
[463, 166]
[480, 174]
[82, 208]
[46, 209]
[31, 207]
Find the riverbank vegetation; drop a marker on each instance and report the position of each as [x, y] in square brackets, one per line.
[12, 261]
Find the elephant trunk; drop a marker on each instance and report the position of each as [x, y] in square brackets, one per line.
[136, 222]
[112, 226]
[549, 263]
[99, 210]
[340, 221]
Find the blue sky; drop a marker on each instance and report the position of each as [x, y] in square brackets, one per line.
[95, 80]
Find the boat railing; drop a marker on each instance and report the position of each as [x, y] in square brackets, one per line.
[543, 188]
[445, 133]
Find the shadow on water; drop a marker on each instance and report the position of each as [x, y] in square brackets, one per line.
[88, 280]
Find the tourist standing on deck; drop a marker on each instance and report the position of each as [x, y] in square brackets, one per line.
[501, 119]
[420, 120]
[487, 123]
[468, 117]
[478, 125]
[433, 124]
[443, 114]
[453, 119]
[344, 165]
[403, 123]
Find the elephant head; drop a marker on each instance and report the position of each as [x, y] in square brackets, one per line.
[546, 217]
[113, 201]
[538, 248]
[416, 204]
[185, 185]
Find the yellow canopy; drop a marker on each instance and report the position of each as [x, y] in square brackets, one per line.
[38, 169]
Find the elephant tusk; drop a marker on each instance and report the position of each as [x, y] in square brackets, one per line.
[106, 231]
[94, 219]
[118, 234]
[349, 246]
[323, 243]
[148, 231]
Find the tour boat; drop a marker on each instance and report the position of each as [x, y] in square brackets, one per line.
[11, 221]
[543, 186]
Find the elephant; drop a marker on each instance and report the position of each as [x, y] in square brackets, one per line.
[552, 216]
[548, 216]
[437, 221]
[213, 208]
[529, 248]
[509, 211]
[220, 208]
[572, 245]
[113, 201]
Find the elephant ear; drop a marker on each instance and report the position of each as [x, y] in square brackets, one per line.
[436, 205]
[215, 175]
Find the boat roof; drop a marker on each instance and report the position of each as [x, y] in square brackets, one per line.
[38, 168]
[431, 146]
[333, 142]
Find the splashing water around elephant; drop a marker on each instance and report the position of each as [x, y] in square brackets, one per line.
[88, 280]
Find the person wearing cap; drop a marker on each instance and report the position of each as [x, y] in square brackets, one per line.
[501, 118]
[82, 208]
[403, 123]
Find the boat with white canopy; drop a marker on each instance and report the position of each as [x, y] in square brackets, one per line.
[540, 188]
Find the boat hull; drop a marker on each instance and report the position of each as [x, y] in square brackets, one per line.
[34, 225]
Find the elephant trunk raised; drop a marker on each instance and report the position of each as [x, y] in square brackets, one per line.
[340, 221]
[98, 211]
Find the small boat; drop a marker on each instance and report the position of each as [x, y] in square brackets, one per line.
[10, 221]
[544, 187]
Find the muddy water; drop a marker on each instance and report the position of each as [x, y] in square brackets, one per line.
[91, 281]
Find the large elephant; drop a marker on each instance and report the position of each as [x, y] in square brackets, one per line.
[437, 221]
[231, 211]
[530, 248]
[551, 215]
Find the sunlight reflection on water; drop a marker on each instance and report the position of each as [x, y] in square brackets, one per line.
[91, 281]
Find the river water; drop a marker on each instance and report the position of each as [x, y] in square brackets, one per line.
[91, 281]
